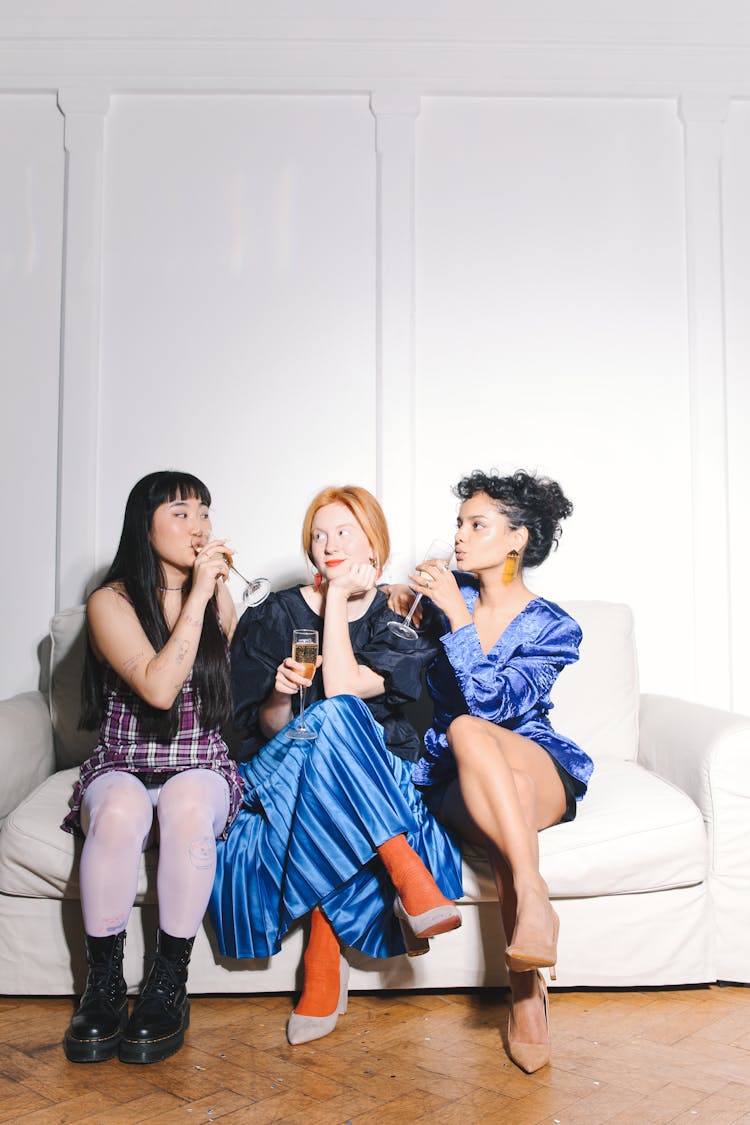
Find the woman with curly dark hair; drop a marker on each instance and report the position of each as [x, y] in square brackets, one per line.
[493, 769]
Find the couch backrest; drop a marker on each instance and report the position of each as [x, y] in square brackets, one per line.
[67, 650]
[596, 700]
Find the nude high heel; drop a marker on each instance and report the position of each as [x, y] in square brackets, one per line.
[534, 951]
[304, 1029]
[530, 1056]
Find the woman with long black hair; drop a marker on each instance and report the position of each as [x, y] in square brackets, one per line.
[157, 685]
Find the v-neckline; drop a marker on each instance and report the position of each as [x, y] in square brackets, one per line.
[507, 628]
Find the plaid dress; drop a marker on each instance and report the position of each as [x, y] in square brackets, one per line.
[122, 746]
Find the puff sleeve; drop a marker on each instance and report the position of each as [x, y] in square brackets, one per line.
[501, 686]
[260, 643]
[398, 660]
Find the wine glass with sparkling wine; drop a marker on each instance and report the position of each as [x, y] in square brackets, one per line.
[304, 651]
[256, 589]
[439, 551]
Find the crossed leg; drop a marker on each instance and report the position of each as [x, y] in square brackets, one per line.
[508, 790]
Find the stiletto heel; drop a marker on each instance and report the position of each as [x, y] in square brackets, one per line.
[530, 1056]
[304, 1029]
[535, 952]
[430, 923]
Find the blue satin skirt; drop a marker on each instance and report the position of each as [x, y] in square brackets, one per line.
[314, 814]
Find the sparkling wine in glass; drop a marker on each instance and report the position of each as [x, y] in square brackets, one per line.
[256, 589]
[438, 550]
[304, 651]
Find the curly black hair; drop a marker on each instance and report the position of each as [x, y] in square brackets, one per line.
[536, 503]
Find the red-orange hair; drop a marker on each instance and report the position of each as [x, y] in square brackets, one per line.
[366, 511]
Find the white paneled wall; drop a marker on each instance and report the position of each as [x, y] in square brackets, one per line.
[238, 321]
[552, 334]
[281, 254]
[31, 234]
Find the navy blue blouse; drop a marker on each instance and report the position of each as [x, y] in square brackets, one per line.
[263, 638]
[509, 685]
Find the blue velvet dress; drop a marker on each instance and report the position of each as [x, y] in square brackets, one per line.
[510, 685]
[315, 812]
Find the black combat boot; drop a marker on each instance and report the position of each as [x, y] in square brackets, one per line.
[98, 1021]
[156, 1028]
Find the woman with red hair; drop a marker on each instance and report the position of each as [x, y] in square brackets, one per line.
[334, 824]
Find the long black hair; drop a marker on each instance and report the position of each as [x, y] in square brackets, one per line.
[536, 503]
[137, 567]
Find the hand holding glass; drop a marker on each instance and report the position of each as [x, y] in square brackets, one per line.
[304, 651]
[438, 550]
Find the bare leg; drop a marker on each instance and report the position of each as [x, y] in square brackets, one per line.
[508, 789]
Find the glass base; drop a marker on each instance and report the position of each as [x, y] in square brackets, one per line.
[401, 629]
[303, 733]
[256, 591]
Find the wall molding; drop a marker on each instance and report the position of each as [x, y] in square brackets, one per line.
[703, 118]
[395, 115]
[78, 435]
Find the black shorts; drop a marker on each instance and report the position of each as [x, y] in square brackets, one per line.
[434, 795]
[569, 785]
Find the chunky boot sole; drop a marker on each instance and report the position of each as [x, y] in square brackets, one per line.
[154, 1050]
[94, 1050]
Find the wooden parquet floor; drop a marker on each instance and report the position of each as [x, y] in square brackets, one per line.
[625, 1057]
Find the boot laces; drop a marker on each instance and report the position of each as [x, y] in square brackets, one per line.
[164, 976]
[104, 979]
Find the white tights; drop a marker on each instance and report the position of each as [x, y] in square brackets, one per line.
[117, 817]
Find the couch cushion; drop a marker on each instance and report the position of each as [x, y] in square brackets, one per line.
[38, 859]
[597, 700]
[67, 650]
[634, 833]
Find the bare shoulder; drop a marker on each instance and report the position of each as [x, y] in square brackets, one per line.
[109, 600]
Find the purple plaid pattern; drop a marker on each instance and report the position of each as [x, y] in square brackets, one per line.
[123, 747]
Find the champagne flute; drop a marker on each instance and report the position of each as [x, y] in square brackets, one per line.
[440, 550]
[256, 589]
[304, 651]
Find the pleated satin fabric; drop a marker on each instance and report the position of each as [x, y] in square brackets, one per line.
[315, 813]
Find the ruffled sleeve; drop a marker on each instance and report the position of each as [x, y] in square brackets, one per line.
[260, 643]
[398, 660]
[502, 685]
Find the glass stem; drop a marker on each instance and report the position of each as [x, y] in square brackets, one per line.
[301, 723]
[410, 614]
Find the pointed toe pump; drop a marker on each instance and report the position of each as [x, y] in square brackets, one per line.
[534, 951]
[305, 1029]
[530, 1057]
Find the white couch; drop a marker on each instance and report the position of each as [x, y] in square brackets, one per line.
[651, 881]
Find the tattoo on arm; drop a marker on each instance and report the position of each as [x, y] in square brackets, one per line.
[132, 662]
[195, 622]
[182, 649]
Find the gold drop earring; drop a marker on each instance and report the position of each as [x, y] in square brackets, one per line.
[510, 570]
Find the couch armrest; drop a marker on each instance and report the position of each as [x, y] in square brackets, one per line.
[707, 754]
[27, 753]
[703, 751]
